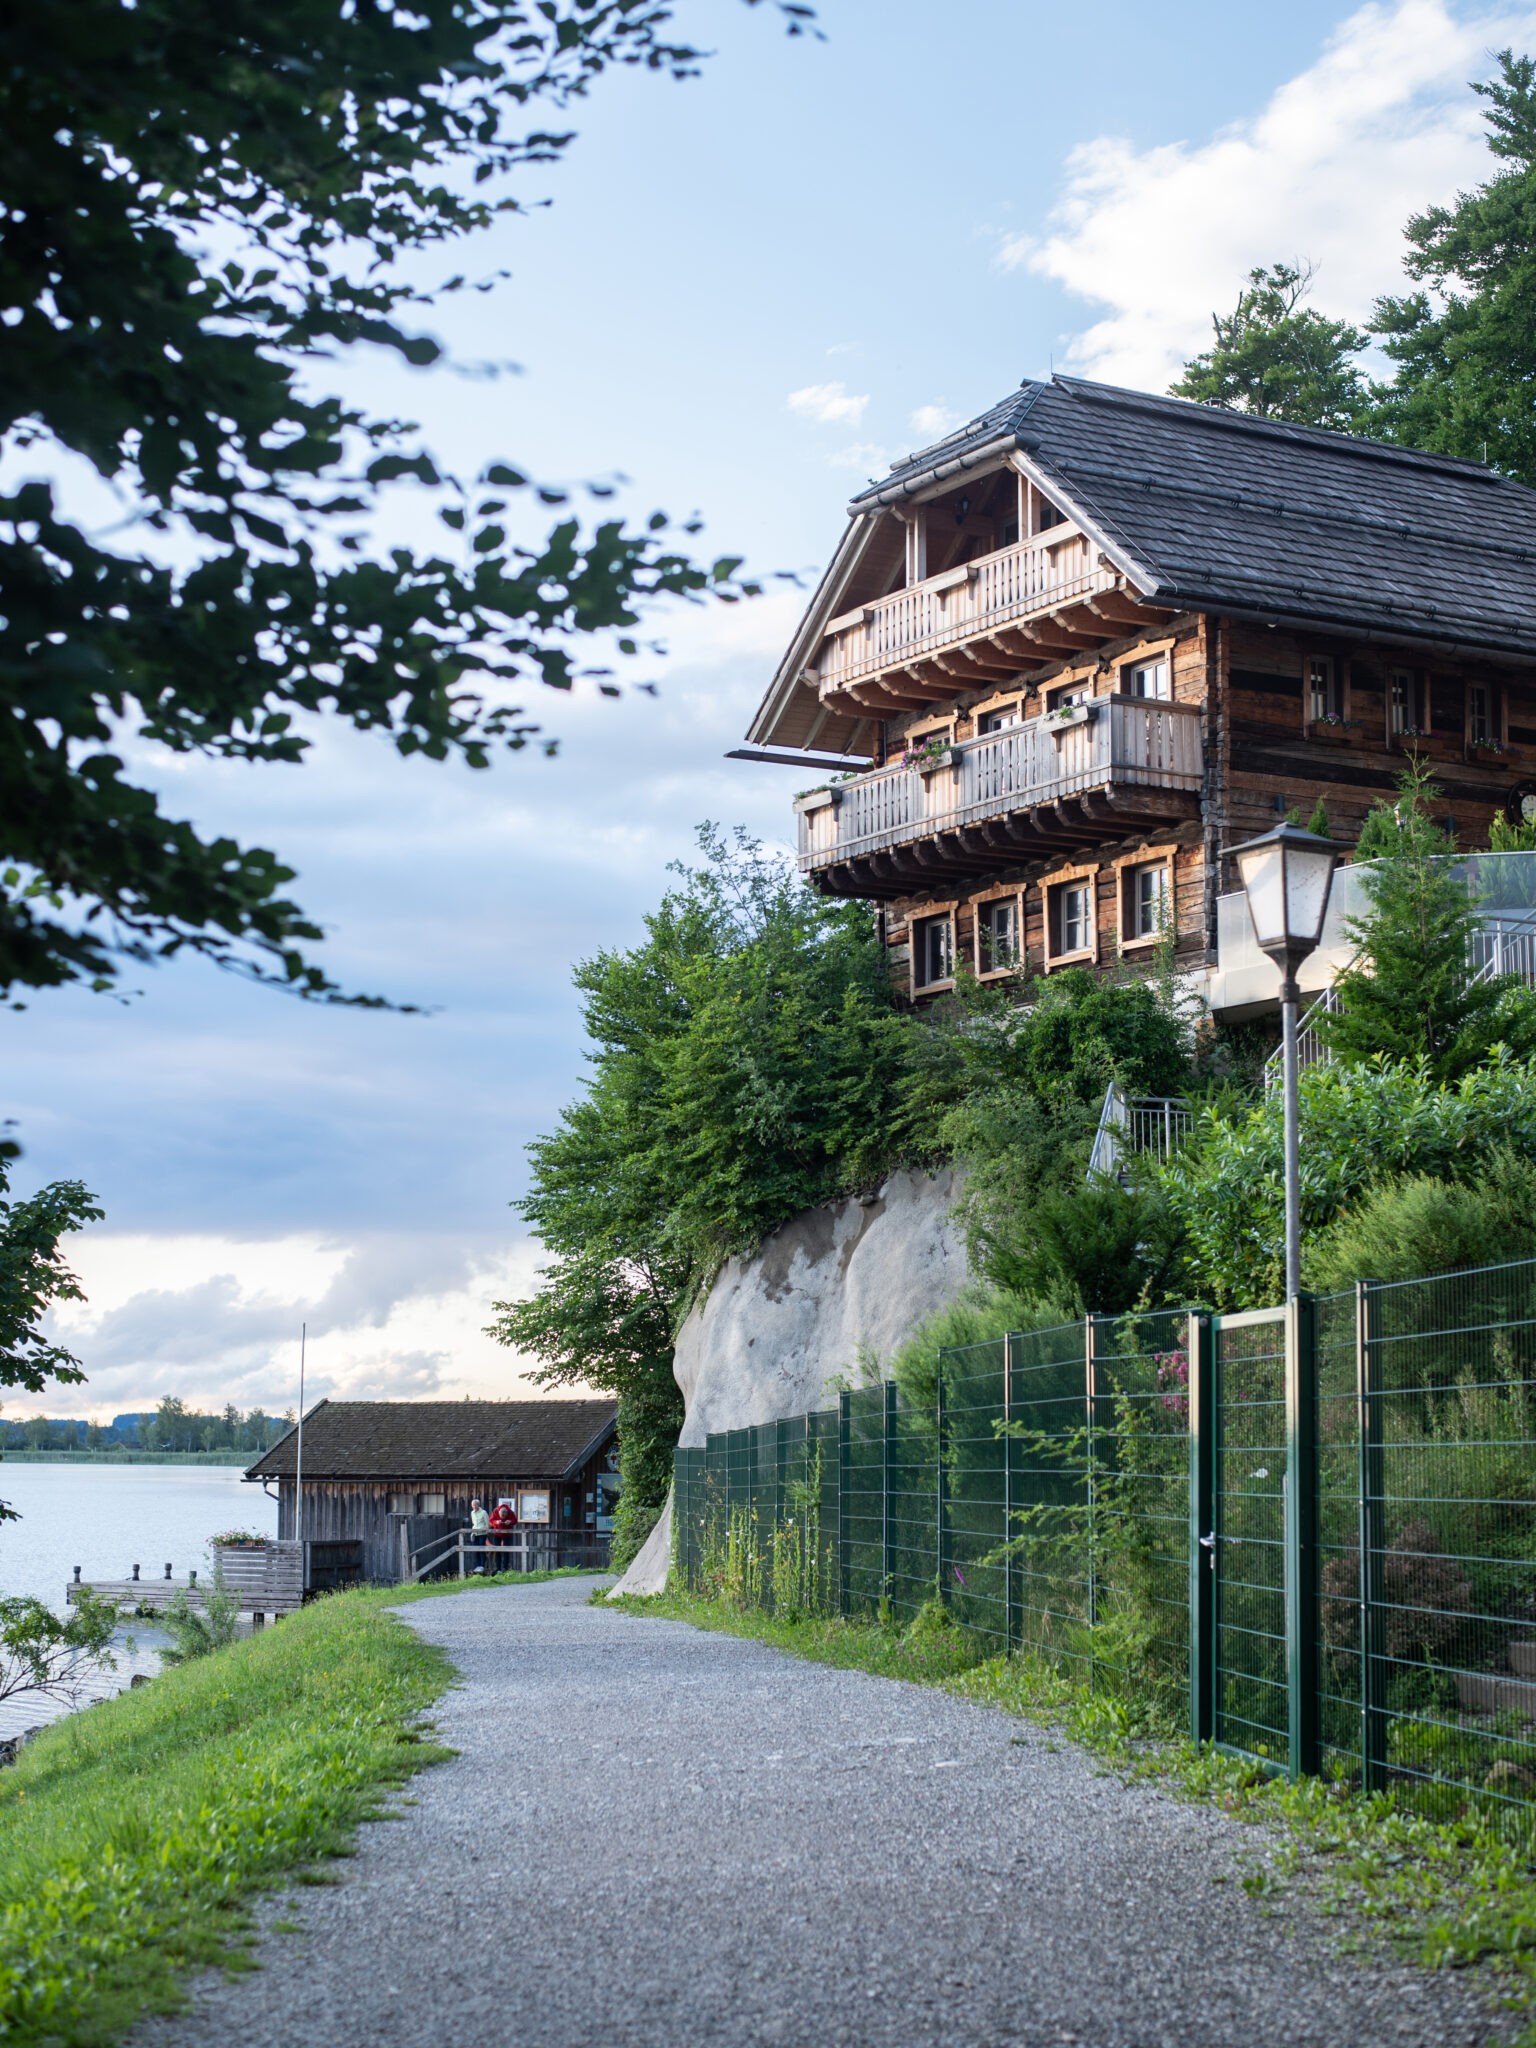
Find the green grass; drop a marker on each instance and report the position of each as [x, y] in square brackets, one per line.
[1445, 1894]
[431, 1589]
[133, 1835]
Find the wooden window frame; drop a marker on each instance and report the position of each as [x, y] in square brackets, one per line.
[1139, 657]
[1498, 715]
[1017, 891]
[1088, 954]
[1338, 684]
[929, 913]
[1145, 857]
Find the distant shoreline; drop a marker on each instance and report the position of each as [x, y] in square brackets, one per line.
[121, 1457]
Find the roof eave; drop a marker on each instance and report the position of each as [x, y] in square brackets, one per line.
[823, 606]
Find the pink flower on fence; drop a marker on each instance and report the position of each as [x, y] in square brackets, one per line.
[1173, 1379]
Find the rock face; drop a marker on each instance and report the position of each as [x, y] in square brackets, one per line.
[838, 1282]
[847, 1279]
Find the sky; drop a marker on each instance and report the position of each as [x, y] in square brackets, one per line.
[748, 294]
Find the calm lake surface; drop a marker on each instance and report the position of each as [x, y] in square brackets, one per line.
[106, 1519]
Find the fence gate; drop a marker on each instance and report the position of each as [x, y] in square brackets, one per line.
[1253, 1564]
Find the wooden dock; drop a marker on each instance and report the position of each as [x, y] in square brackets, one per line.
[265, 1579]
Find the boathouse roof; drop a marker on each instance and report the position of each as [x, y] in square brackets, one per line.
[400, 1440]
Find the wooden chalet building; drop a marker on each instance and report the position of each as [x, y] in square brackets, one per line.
[393, 1475]
[1088, 643]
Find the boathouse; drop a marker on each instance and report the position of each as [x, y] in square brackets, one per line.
[395, 1475]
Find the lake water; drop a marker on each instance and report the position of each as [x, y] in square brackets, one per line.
[107, 1519]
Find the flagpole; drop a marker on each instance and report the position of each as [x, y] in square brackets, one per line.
[298, 1469]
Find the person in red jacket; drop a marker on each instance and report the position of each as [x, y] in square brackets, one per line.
[503, 1522]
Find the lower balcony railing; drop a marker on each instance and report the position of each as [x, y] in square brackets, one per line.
[1125, 741]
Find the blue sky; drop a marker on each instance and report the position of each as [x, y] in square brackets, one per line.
[750, 292]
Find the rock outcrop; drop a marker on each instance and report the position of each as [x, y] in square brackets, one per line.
[832, 1289]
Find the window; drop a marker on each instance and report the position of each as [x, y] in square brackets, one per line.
[997, 935]
[431, 1503]
[933, 951]
[1147, 901]
[1046, 516]
[1072, 918]
[1480, 715]
[402, 1503]
[1323, 698]
[533, 1507]
[1151, 679]
[1405, 702]
[998, 719]
[1074, 693]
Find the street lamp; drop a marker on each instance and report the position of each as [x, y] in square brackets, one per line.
[1287, 875]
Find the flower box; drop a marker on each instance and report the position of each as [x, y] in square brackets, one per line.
[1434, 746]
[1069, 716]
[1336, 732]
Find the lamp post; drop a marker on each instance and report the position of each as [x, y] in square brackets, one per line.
[1287, 875]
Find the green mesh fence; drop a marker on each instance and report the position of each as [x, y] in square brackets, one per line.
[1045, 1500]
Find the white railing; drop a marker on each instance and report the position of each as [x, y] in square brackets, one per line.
[1032, 576]
[1159, 1124]
[1127, 740]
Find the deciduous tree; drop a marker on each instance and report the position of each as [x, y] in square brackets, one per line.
[203, 210]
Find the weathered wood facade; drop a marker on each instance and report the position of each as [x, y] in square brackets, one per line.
[1080, 649]
[395, 1474]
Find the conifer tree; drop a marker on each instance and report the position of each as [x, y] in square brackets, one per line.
[1278, 359]
[1413, 992]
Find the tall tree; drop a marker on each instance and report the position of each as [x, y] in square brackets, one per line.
[33, 1276]
[1414, 993]
[200, 207]
[1465, 344]
[745, 1061]
[1276, 358]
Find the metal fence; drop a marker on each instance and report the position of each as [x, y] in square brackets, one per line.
[1316, 1525]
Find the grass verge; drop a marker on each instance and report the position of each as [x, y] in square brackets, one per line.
[1445, 1894]
[134, 1834]
[433, 1589]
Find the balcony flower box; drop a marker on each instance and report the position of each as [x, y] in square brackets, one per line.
[1491, 750]
[1070, 715]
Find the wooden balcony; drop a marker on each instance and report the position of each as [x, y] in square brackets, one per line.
[1004, 799]
[1043, 600]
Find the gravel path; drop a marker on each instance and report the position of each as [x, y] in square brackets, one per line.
[658, 1838]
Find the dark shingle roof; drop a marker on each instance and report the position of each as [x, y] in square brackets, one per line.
[441, 1440]
[1220, 511]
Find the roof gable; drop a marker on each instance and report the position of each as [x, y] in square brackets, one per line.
[442, 1440]
[1210, 510]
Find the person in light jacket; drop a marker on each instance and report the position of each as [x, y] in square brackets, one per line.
[479, 1528]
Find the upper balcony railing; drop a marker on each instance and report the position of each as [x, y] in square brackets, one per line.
[1033, 576]
[1128, 741]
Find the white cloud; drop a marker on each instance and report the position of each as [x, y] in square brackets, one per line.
[216, 1319]
[934, 420]
[828, 404]
[1379, 127]
[868, 457]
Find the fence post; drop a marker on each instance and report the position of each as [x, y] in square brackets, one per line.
[885, 1490]
[1200, 1349]
[844, 1406]
[1091, 1401]
[1010, 1587]
[1301, 1532]
[1373, 1718]
[939, 1518]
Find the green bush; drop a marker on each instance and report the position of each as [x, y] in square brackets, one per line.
[1361, 1127]
[1419, 1225]
[980, 1317]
